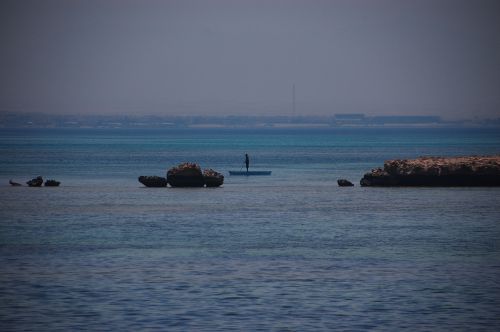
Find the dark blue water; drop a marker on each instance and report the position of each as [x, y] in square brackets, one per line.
[289, 252]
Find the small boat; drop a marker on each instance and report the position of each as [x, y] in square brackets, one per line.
[247, 173]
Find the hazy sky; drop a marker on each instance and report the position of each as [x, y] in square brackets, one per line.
[241, 57]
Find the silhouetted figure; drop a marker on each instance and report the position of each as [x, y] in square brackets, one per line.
[247, 161]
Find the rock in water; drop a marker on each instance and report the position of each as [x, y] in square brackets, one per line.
[436, 172]
[52, 183]
[344, 183]
[153, 181]
[185, 175]
[36, 182]
[213, 178]
[14, 184]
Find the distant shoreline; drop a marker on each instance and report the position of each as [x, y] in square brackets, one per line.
[354, 120]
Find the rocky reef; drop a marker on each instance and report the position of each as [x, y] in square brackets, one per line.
[213, 178]
[52, 183]
[153, 181]
[185, 175]
[14, 184]
[191, 175]
[436, 172]
[344, 183]
[36, 182]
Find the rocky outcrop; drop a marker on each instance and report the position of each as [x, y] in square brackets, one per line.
[436, 171]
[344, 183]
[191, 175]
[153, 181]
[213, 178]
[52, 183]
[185, 175]
[36, 182]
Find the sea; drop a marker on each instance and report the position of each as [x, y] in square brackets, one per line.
[292, 251]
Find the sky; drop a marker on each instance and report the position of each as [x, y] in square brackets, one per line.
[242, 57]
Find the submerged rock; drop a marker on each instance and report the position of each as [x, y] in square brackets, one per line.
[213, 178]
[436, 171]
[14, 184]
[52, 183]
[153, 181]
[36, 182]
[185, 175]
[344, 183]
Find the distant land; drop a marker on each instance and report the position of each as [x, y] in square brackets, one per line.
[40, 120]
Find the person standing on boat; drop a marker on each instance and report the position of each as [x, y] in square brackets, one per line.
[247, 161]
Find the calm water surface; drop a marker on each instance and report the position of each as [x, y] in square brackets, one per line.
[289, 252]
